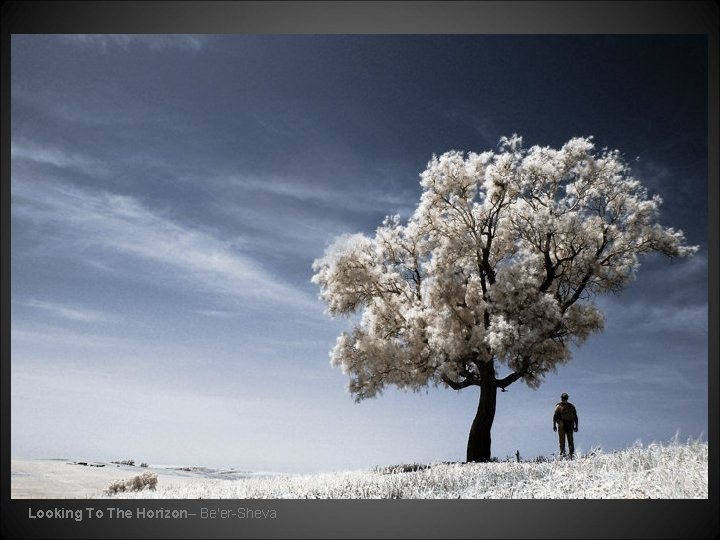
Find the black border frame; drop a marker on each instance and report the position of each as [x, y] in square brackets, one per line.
[378, 519]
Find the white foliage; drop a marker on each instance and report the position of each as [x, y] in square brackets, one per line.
[499, 263]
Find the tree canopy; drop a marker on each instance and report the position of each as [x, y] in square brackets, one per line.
[499, 263]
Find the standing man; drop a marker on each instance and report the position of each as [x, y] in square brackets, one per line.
[565, 417]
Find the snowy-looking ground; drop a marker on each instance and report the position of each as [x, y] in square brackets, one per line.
[66, 479]
[673, 471]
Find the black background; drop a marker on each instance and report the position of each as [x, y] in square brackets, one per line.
[373, 519]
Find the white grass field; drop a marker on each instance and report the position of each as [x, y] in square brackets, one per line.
[655, 471]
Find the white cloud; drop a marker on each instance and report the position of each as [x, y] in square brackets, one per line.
[216, 313]
[302, 216]
[67, 312]
[48, 155]
[647, 318]
[116, 226]
[689, 319]
[353, 198]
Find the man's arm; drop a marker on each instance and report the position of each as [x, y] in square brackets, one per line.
[575, 418]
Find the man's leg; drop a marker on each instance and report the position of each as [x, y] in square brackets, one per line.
[571, 442]
[561, 435]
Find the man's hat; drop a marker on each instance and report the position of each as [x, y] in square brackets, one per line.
[563, 396]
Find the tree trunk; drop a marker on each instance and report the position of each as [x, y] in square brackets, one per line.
[478, 448]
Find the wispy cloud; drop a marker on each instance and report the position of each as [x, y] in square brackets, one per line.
[116, 226]
[670, 376]
[291, 220]
[67, 312]
[646, 318]
[351, 197]
[216, 313]
[126, 41]
[64, 341]
[49, 155]
[669, 298]
[658, 175]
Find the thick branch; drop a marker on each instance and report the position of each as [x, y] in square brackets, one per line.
[507, 381]
[460, 385]
[526, 368]
[549, 268]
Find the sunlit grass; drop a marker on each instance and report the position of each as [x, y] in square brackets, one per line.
[655, 471]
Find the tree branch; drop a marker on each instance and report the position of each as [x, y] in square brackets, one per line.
[586, 278]
[549, 268]
[525, 369]
[507, 381]
[459, 385]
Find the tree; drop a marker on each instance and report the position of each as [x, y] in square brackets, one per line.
[497, 266]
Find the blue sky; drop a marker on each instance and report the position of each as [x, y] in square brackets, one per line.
[169, 194]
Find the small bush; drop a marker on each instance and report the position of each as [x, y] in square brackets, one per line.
[143, 464]
[402, 468]
[130, 462]
[137, 483]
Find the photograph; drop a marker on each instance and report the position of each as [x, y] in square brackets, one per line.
[253, 267]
